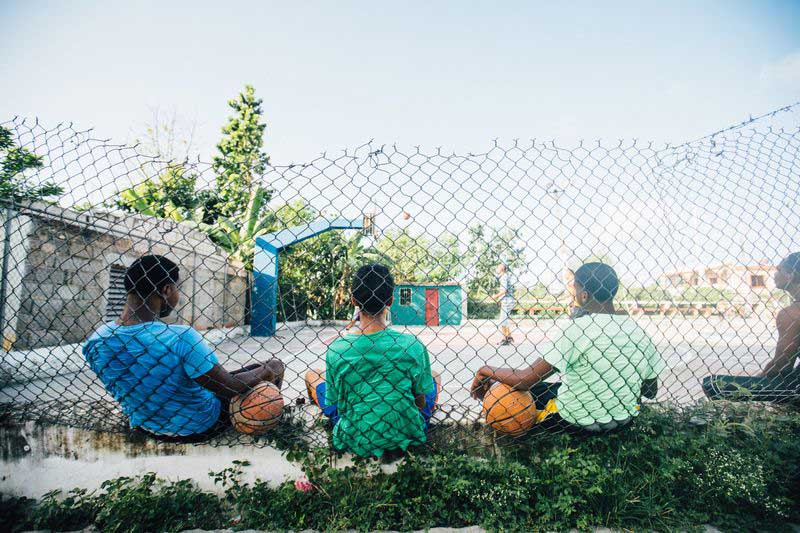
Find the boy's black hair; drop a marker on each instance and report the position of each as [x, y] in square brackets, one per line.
[599, 280]
[149, 274]
[373, 287]
[792, 263]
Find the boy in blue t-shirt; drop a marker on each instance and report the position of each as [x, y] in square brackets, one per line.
[166, 377]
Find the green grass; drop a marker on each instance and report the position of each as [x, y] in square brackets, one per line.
[737, 468]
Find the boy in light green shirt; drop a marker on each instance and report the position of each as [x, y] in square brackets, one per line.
[378, 388]
[606, 360]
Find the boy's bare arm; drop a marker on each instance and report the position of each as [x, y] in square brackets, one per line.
[227, 385]
[499, 295]
[520, 379]
[788, 347]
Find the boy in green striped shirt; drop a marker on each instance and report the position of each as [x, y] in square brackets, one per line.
[607, 363]
[378, 388]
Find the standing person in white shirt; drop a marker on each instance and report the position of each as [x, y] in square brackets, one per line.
[507, 302]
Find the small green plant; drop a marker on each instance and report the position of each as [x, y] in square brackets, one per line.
[77, 510]
[149, 504]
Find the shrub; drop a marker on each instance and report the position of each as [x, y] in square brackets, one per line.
[77, 510]
[482, 309]
[148, 504]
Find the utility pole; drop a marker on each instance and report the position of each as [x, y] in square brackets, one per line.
[556, 192]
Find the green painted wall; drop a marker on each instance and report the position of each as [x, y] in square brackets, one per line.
[450, 306]
[414, 314]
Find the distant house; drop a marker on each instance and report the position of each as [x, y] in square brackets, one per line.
[63, 272]
[741, 279]
[429, 304]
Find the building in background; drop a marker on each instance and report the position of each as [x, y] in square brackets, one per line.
[429, 304]
[63, 273]
[743, 280]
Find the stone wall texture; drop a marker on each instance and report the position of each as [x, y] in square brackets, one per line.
[66, 273]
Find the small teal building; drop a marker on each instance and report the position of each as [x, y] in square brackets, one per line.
[428, 304]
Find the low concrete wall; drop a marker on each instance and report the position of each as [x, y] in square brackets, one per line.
[37, 459]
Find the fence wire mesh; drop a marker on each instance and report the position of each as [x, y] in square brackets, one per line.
[695, 234]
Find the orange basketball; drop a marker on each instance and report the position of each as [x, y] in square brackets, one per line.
[257, 411]
[509, 411]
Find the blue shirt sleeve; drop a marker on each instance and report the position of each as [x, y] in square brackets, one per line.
[195, 353]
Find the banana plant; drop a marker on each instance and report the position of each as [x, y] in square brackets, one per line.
[236, 235]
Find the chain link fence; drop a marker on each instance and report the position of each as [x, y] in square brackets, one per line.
[694, 232]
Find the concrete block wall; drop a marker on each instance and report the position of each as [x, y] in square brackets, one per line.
[63, 276]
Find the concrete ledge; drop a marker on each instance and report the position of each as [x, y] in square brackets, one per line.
[37, 459]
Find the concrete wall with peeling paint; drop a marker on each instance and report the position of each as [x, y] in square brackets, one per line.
[36, 459]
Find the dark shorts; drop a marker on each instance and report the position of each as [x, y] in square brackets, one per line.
[543, 392]
[220, 426]
[784, 388]
[332, 412]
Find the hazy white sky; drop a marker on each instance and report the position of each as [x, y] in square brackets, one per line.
[451, 74]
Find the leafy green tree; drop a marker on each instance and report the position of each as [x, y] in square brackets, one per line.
[14, 162]
[417, 259]
[308, 279]
[536, 293]
[351, 255]
[316, 274]
[446, 259]
[241, 157]
[408, 254]
[486, 250]
[163, 197]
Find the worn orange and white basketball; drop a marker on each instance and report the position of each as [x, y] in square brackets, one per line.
[509, 411]
[257, 411]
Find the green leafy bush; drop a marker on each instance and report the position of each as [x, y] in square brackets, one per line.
[148, 504]
[482, 309]
[74, 511]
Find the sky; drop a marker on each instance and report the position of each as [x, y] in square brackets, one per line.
[450, 74]
[455, 75]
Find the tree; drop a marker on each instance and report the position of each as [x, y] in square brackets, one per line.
[169, 139]
[14, 162]
[536, 293]
[417, 259]
[445, 258]
[162, 197]
[315, 275]
[168, 136]
[241, 158]
[237, 234]
[408, 254]
[351, 254]
[486, 250]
